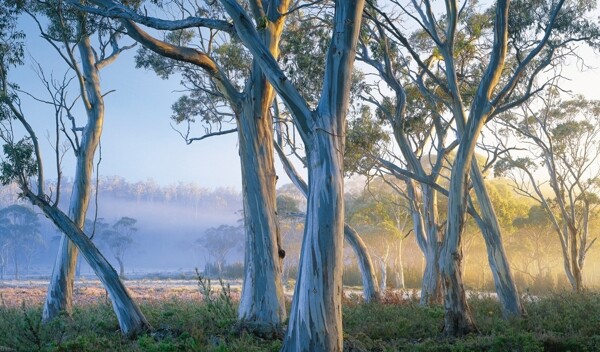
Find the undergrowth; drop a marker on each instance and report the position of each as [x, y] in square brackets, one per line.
[561, 322]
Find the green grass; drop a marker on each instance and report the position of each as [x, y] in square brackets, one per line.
[561, 322]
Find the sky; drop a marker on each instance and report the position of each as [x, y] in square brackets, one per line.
[138, 141]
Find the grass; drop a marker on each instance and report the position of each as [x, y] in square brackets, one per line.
[561, 322]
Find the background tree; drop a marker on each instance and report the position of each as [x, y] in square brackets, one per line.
[119, 238]
[219, 242]
[534, 251]
[19, 234]
[562, 136]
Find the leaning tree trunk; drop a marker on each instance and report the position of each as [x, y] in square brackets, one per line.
[367, 272]
[131, 320]
[60, 290]
[503, 279]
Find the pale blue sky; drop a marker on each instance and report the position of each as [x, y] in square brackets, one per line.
[138, 142]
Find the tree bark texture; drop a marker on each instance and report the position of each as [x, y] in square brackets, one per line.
[315, 322]
[262, 300]
[262, 305]
[316, 315]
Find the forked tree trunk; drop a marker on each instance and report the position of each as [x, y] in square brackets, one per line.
[131, 320]
[425, 221]
[315, 322]
[59, 297]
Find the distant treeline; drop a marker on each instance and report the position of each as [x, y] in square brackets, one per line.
[148, 191]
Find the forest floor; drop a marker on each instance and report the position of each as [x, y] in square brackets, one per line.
[33, 292]
[184, 318]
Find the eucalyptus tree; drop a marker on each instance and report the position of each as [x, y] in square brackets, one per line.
[23, 165]
[226, 82]
[384, 220]
[420, 114]
[304, 50]
[540, 34]
[119, 238]
[563, 137]
[70, 33]
[315, 320]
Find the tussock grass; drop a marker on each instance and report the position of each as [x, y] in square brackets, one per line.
[560, 322]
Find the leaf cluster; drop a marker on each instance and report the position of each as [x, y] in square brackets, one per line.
[18, 164]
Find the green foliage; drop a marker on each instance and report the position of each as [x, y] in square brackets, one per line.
[287, 204]
[12, 49]
[564, 322]
[365, 138]
[18, 164]
[304, 45]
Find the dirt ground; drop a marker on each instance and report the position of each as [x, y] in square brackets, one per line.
[16, 293]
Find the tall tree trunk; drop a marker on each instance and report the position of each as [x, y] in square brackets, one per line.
[262, 300]
[262, 305]
[315, 322]
[131, 320]
[316, 315]
[365, 264]
[59, 297]
[457, 317]
[503, 279]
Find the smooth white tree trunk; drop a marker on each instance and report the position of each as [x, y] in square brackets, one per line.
[262, 304]
[60, 290]
[315, 322]
[316, 315]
